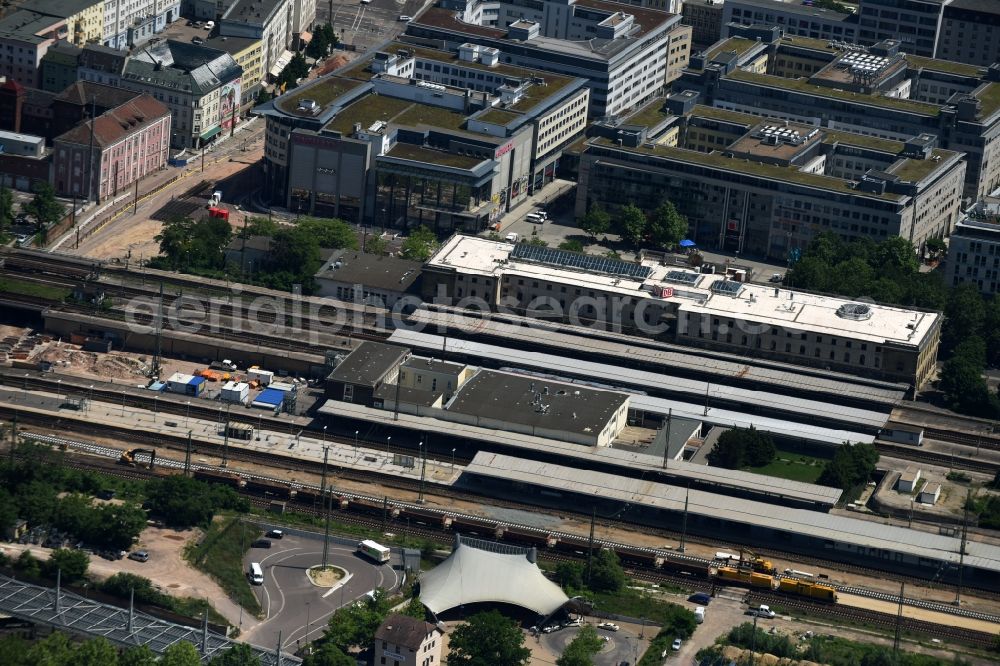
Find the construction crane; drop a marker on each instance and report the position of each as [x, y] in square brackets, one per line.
[128, 457]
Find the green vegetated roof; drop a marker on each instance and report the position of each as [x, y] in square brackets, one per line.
[916, 170]
[803, 85]
[498, 116]
[948, 66]
[323, 92]
[808, 42]
[990, 98]
[767, 171]
[726, 115]
[738, 44]
[368, 110]
[409, 151]
[649, 115]
[863, 141]
[422, 114]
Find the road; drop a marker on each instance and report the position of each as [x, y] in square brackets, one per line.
[366, 25]
[297, 610]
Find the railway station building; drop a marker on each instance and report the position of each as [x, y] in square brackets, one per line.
[712, 311]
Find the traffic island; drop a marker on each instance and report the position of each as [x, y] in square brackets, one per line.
[328, 576]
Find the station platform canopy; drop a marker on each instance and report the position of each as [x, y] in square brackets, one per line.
[480, 571]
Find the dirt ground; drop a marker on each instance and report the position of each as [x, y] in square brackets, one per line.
[166, 567]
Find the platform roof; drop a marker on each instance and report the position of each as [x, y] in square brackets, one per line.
[566, 336]
[622, 377]
[745, 482]
[486, 572]
[863, 533]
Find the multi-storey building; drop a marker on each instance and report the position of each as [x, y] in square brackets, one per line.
[59, 66]
[269, 21]
[793, 18]
[913, 23]
[685, 307]
[415, 136]
[970, 32]
[705, 19]
[404, 641]
[303, 18]
[877, 91]
[104, 156]
[200, 86]
[84, 18]
[129, 23]
[101, 64]
[248, 54]
[620, 49]
[765, 186]
[974, 247]
[25, 37]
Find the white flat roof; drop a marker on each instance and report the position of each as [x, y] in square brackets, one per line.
[757, 303]
[180, 378]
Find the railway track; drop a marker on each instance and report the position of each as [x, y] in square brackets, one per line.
[489, 528]
[941, 459]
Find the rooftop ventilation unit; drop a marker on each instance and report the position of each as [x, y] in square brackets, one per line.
[855, 311]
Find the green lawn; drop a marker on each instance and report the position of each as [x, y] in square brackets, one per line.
[27, 288]
[794, 466]
[220, 555]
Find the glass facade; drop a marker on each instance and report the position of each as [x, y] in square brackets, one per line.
[412, 200]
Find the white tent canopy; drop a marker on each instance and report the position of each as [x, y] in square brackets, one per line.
[483, 571]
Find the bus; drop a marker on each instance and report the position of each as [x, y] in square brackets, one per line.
[373, 550]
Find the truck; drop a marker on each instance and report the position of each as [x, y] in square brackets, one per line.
[699, 614]
[374, 551]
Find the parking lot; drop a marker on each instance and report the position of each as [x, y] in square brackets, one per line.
[625, 645]
[292, 605]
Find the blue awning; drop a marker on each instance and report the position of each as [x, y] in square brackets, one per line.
[687, 243]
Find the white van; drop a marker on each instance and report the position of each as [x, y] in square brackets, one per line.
[534, 217]
[209, 25]
[256, 574]
[511, 237]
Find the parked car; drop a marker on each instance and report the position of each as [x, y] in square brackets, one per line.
[764, 611]
[701, 598]
[197, 40]
[406, 18]
[676, 645]
[261, 543]
[610, 626]
[573, 623]
[275, 534]
[549, 629]
[139, 556]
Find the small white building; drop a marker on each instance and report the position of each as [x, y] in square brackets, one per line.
[930, 493]
[405, 641]
[237, 392]
[185, 384]
[908, 480]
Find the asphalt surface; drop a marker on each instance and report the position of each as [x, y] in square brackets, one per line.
[297, 610]
[621, 646]
[367, 25]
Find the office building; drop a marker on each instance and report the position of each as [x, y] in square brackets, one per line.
[619, 49]
[248, 54]
[269, 21]
[705, 19]
[794, 18]
[970, 32]
[416, 136]
[913, 23]
[974, 247]
[102, 157]
[877, 91]
[200, 86]
[702, 310]
[763, 186]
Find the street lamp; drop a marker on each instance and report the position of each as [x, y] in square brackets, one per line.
[123, 404]
[324, 437]
[388, 440]
[453, 460]
[355, 443]
[156, 399]
[90, 396]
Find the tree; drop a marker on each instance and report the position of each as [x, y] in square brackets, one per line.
[965, 315]
[851, 466]
[667, 226]
[259, 226]
[419, 245]
[72, 563]
[96, 652]
[488, 639]
[295, 69]
[185, 243]
[239, 654]
[55, 650]
[935, 247]
[897, 256]
[571, 245]
[124, 585]
[117, 525]
[606, 573]
[355, 625]
[328, 655]
[376, 244]
[414, 608]
[330, 233]
[139, 655]
[581, 650]
[184, 502]
[6, 211]
[740, 447]
[632, 224]
[569, 575]
[537, 242]
[180, 653]
[44, 207]
[596, 222]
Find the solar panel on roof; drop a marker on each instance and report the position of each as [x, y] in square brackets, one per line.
[585, 262]
[682, 277]
[727, 287]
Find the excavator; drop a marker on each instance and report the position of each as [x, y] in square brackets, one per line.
[128, 457]
[750, 560]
